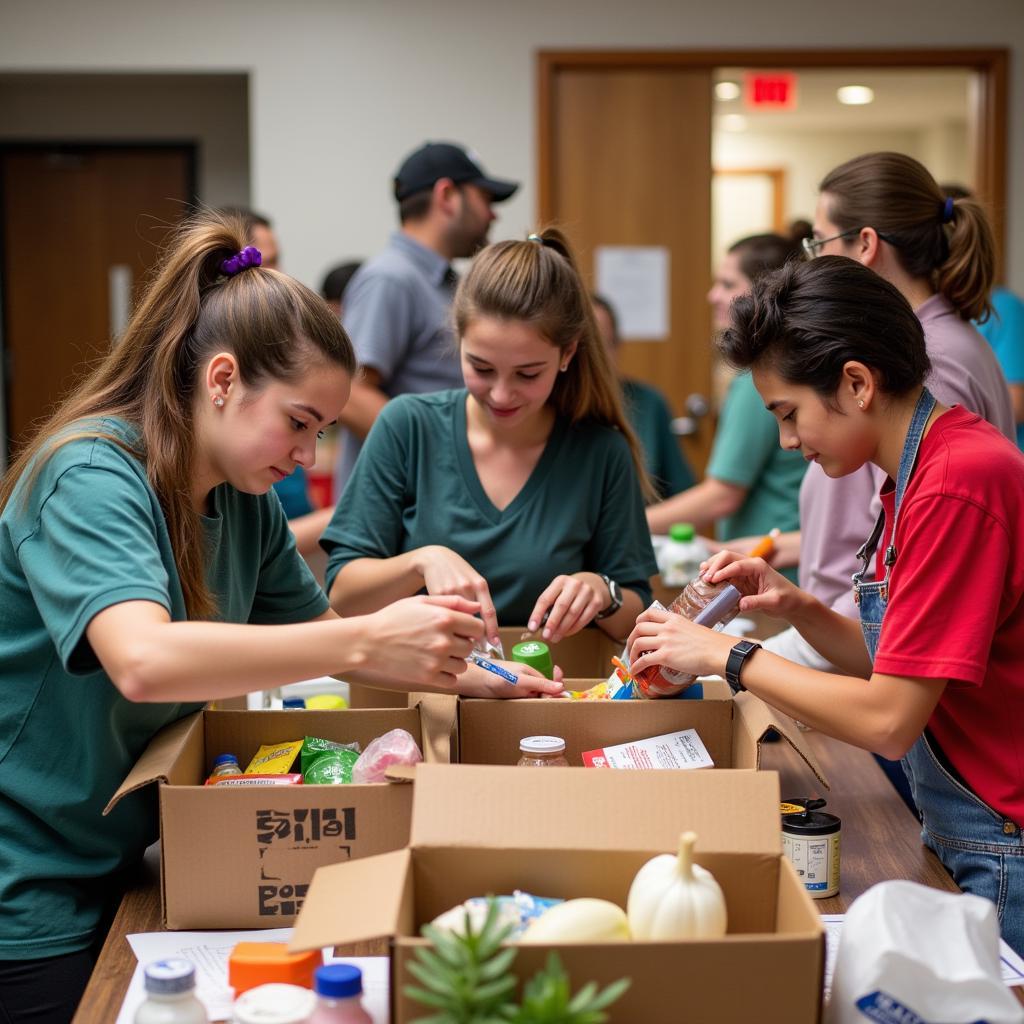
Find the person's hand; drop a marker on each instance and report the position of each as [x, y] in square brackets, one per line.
[764, 589]
[423, 641]
[661, 637]
[445, 572]
[478, 682]
[571, 602]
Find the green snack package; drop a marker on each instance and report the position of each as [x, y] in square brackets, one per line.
[334, 767]
[313, 747]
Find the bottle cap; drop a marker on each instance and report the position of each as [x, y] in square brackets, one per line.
[542, 745]
[169, 977]
[682, 531]
[326, 702]
[536, 654]
[224, 759]
[293, 702]
[338, 981]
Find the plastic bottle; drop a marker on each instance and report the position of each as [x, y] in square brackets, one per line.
[339, 990]
[542, 752]
[710, 604]
[680, 558]
[225, 764]
[170, 994]
[274, 1004]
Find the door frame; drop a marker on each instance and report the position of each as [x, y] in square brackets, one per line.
[990, 113]
[777, 175]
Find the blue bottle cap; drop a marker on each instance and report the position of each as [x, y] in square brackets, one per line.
[293, 702]
[338, 981]
[170, 977]
[224, 759]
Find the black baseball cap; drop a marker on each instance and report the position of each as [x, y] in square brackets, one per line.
[436, 160]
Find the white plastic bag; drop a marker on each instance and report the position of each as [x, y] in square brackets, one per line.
[909, 954]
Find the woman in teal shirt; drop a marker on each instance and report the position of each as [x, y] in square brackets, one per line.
[523, 491]
[146, 568]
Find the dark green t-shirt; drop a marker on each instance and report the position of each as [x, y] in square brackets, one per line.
[91, 535]
[415, 484]
[651, 418]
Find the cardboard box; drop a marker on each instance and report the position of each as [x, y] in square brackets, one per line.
[584, 655]
[732, 728]
[575, 832]
[244, 857]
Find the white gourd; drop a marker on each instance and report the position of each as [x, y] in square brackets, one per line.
[582, 920]
[673, 898]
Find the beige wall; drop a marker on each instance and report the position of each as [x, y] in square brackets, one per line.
[340, 89]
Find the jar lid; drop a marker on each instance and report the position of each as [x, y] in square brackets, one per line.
[225, 759]
[682, 531]
[326, 702]
[274, 1004]
[338, 981]
[169, 977]
[293, 702]
[534, 653]
[542, 744]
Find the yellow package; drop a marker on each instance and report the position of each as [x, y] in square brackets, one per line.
[274, 758]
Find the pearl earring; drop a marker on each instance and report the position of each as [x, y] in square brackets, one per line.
[218, 401]
[860, 403]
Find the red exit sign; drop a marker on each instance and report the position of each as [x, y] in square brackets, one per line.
[769, 90]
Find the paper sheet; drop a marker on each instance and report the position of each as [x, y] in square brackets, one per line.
[1012, 964]
[209, 952]
[635, 279]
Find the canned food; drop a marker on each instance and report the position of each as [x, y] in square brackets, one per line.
[810, 839]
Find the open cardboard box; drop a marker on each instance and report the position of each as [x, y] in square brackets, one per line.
[584, 655]
[243, 857]
[732, 728]
[571, 832]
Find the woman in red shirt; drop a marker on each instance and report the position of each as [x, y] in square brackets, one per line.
[838, 356]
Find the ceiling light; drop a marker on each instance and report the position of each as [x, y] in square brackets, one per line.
[734, 123]
[727, 91]
[855, 95]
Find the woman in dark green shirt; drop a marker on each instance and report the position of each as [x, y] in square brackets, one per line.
[145, 568]
[523, 491]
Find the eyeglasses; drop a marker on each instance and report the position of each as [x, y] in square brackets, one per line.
[812, 245]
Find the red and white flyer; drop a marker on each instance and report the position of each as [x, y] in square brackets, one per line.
[673, 750]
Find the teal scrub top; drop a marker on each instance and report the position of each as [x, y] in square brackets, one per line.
[651, 418]
[89, 534]
[1004, 331]
[415, 484]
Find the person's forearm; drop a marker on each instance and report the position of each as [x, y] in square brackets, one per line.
[368, 584]
[308, 529]
[834, 636]
[787, 550]
[363, 407]
[617, 626]
[701, 505]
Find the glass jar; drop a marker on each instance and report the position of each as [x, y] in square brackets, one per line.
[225, 764]
[542, 752]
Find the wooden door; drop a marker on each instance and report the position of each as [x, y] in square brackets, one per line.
[80, 228]
[629, 164]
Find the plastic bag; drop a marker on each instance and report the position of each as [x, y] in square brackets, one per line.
[909, 953]
[395, 747]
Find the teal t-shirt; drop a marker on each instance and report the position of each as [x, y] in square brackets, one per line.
[651, 418]
[1004, 331]
[746, 452]
[415, 484]
[90, 535]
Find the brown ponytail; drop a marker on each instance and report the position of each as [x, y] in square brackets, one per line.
[538, 282]
[274, 326]
[894, 194]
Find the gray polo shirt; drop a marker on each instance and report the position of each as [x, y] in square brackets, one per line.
[398, 315]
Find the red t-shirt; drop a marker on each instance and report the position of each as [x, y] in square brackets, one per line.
[956, 599]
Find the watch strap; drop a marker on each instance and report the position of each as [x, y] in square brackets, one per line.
[614, 593]
[737, 656]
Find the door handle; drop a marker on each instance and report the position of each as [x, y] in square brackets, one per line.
[697, 407]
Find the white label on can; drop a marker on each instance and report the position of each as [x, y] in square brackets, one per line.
[816, 859]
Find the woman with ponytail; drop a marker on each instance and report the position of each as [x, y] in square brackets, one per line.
[525, 489]
[146, 568]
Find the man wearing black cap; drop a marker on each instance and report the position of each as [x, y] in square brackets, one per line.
[397, 306]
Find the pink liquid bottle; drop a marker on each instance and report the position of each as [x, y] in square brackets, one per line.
[339, 991]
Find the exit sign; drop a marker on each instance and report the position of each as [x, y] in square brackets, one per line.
[769, 90]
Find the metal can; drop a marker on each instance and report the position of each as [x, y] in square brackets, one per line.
[810, 839]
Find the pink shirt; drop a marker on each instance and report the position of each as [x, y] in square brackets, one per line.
[836, 516]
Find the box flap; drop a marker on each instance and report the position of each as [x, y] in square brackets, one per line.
[354, 902]
[157, 759]
[756, 718]
[486, 806]
[437, 723]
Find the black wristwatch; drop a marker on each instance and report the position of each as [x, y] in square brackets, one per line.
[737, 656]
[615, 591]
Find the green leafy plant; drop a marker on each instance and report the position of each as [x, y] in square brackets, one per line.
[467, 979]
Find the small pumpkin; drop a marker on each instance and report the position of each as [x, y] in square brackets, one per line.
[673, 898]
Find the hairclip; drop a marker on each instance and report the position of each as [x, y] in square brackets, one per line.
[947, 210]
[250, 256]
[535, 238]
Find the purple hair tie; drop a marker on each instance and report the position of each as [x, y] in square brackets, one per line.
[250, 256]
[947, 210]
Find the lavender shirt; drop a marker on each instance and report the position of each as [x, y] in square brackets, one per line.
[836, 516]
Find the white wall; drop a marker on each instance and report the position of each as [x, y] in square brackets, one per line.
[340, 89]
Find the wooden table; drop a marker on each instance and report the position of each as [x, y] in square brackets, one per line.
[880, 840]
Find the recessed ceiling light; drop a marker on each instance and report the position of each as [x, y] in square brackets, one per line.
[855, 95]
[727, 91]
[734, 123]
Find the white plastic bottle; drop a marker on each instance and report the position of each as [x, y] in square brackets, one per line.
[170, 994]
[681, 555]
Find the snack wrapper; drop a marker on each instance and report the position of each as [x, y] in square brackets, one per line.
[288, 779]
[274, 758]
[394, 747]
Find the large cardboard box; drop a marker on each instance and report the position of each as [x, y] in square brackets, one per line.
[732, 728]
[243, 857]
[584, 655]
[572, 832]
